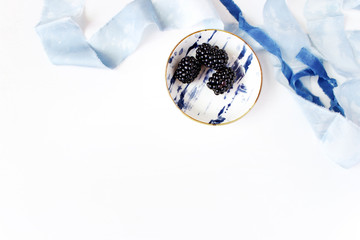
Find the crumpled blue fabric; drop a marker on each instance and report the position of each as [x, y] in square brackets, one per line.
[65, 43]
[326, 101]
[339, 49]
[353, 37]
[349, 4]
[321, 67]
[325, 24]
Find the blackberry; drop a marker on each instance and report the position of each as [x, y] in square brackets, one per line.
[212, 57]
[187, 70]
[221, 81]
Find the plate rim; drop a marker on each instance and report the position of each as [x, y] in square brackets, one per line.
[192, 118]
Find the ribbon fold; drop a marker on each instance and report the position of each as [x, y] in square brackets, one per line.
[65, 43]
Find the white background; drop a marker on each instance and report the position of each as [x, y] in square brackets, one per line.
[105, 154]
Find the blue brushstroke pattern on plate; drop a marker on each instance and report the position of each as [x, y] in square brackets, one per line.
[199, 102]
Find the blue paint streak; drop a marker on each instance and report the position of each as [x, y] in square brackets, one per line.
[193, 93]
[181, 51]
[239, 74]
[220, 119]
[248, 62]
[240, 88]
[201, 73]
[208, 75]
[171, 59]
[195, 45]
[186, 105]
[242, 53]
[212, 35]
[181, 103]
[225, 45]
[235, 65]
[221, 112]
[179, 89]
[172, 81]
[217, 121]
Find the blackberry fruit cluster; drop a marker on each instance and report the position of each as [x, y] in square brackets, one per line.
[187, 70]
[212, 57]
[221, 81]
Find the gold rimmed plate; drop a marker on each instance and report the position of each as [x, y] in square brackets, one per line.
[199, 102]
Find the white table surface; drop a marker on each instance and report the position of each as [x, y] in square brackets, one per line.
[105, 154]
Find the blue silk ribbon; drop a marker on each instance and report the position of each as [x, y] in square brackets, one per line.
[65, 43]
